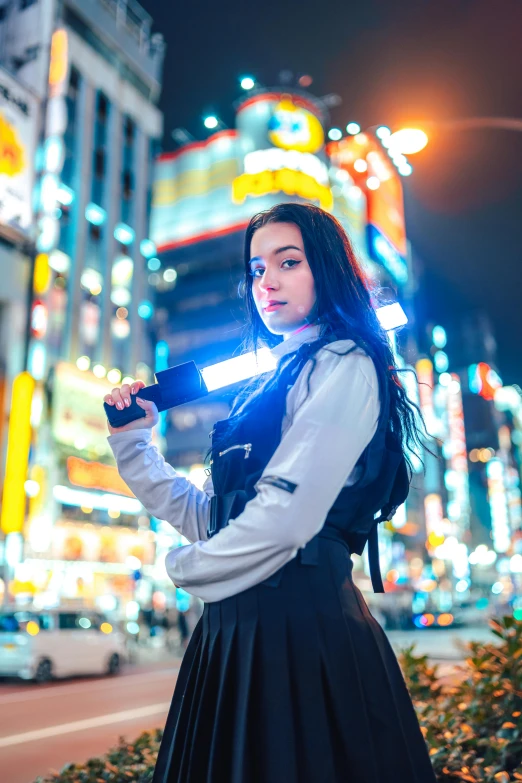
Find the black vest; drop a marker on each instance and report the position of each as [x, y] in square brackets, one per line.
[243, 445]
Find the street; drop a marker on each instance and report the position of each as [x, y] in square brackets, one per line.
[45, 727]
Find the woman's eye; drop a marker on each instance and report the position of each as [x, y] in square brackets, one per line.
[292, 262]
[254, 272]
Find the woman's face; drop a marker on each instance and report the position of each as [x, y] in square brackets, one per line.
[282, 286]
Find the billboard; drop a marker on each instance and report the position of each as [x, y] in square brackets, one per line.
[206, 189]
[78, 418]
[364, 159]
[19, 113]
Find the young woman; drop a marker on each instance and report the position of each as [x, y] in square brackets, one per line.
[287, 677]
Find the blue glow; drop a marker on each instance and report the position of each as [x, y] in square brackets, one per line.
[162, 356]
[153, 264]
[239, 368]
[145, 310]
[383, 252]
[335, 134]
[383, 132]
[441, 361]
[37, 360]
[95, 214]
[474, 381]
[147, 248]
[392, 316]
[211, 122]
[124, 234]
[247, 83]
[65, 195]
[405, 169]
[439, 336]
[353, 128]
[54, 151]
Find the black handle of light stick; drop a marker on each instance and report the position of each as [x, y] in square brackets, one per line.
[174, 386]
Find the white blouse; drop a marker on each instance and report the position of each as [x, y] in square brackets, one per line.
[323, 436]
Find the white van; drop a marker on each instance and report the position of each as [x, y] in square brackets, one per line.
[40, 645]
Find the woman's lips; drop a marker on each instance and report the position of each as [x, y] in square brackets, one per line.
[274, 306]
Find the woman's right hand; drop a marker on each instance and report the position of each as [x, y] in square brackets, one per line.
[121, 398]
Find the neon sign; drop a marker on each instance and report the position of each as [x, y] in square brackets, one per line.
[293, 183]
[292, 127]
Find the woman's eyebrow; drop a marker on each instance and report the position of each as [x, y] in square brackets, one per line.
[255, 259]
[287, 247]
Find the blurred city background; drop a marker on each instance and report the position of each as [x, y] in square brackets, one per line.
[132, 156]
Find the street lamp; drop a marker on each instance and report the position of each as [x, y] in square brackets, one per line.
[247, 83]
[409, 141]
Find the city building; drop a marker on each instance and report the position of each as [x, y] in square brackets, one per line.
[99, 69]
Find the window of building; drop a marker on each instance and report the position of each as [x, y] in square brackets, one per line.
[95, 232]
[102, 108]
[74, 82]
[128, 131]
[99, 163]
[128, 185]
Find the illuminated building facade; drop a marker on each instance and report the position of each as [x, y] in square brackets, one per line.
[99, 69]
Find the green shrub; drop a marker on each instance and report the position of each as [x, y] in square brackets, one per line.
[473, 728]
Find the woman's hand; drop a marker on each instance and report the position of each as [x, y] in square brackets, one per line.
[121, 398]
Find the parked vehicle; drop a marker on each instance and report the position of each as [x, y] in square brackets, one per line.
[41, 645]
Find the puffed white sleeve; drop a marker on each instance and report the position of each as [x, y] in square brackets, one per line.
[164, 493]
[318, 452]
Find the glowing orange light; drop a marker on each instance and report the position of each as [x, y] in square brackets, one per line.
[445, 619]
[59, 58]
[393, 575]
[427, 619]
[408, 141]
[106, 628]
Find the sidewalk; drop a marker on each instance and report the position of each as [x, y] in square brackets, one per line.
[440, 644]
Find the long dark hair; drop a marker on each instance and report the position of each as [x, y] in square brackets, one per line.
[343, 309]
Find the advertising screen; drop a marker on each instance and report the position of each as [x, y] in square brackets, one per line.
[18, 132]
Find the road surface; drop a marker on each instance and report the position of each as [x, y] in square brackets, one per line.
[44, 727]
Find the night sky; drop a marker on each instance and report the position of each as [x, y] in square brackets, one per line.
[392, 63]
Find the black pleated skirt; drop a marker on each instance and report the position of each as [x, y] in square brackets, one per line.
[293, 684]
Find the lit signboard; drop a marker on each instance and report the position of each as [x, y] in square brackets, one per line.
[294, 165]
[96, 475]
[79, 420]
[364, 159]
[18, 133]
[206, 189]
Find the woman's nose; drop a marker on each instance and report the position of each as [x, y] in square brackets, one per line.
[269, 282]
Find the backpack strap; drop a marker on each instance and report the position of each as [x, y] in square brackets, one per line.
[398, 495]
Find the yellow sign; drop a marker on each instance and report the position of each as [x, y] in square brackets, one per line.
[59, 60]
[294, 128]
[18, 444]
[11, 150]
[42, 274]
[293, 183]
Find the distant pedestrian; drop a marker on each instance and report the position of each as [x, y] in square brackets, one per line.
[183, 605]
[287, 677]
